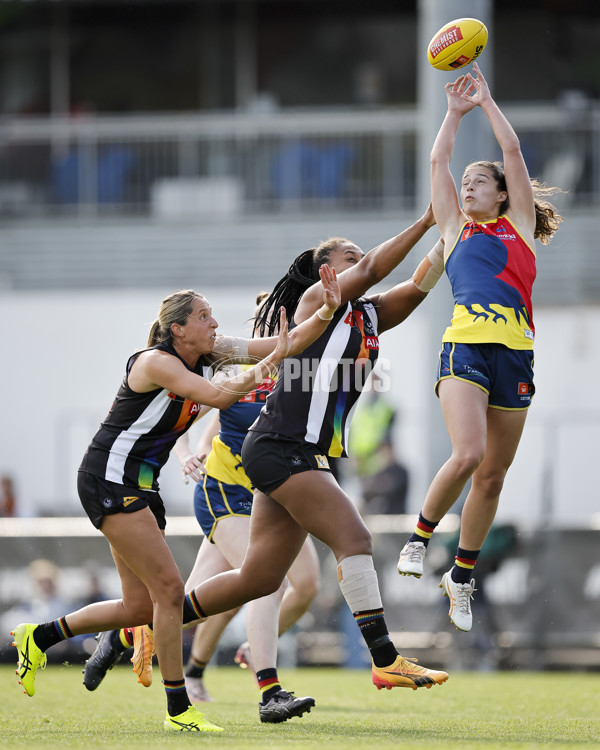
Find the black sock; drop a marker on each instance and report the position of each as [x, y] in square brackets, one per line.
[177, 697]
[50, 633]
[374, 630]
[192, 611]
[195, 668]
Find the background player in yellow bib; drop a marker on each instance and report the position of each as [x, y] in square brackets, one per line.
[485, 377]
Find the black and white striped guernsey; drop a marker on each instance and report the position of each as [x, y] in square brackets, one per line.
[134, 441]
[317, 390]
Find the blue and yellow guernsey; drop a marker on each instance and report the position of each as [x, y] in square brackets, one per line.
[224, 462]
[491, 269]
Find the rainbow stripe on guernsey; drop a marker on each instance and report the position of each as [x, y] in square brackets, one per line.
[151, 464]
[316, 393]
[336, 448]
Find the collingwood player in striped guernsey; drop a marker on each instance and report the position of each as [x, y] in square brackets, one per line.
[162, 392]
[305, 421]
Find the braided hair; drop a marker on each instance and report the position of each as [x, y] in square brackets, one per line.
[302, 274]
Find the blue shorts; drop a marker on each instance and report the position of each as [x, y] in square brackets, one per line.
[214, 500]
[506, 375]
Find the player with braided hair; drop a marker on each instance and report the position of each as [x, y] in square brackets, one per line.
[305, 421]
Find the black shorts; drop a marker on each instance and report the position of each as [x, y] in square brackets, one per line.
[270, 459]
[100, 498]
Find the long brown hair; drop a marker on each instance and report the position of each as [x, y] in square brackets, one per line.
[547, 217]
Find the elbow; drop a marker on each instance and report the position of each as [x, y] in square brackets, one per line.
[437, 161]
[224, 400]
[511, 148]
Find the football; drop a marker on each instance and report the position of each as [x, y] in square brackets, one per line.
[457, 44]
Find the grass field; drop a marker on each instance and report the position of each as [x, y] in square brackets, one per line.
[472, 710]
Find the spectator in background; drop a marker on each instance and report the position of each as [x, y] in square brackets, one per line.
[8, 500]
[383, 478]
[372, 427]
[385, 491]
[41, 599]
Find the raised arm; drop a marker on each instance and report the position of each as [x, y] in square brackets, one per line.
[444, 196]
[371, 269]
[400, 301]
[518, 183]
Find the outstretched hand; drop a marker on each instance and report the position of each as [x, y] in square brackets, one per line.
[284, 339]
[467, 92]
[332, 295]
[428, 217]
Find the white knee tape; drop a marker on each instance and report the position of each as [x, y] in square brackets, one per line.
[358, 583]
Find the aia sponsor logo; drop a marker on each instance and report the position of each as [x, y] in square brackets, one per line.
[194, 409]
[354, 317]
[372, 342]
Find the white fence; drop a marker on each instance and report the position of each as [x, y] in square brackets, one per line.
[231, 164]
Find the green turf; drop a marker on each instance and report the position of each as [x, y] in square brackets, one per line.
[472, 710]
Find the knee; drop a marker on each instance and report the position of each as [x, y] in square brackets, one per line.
[170, 592]
[359, 542]
[138, 612]
[491, 484]
[308, 589]
[265, 585]
[364, 543]
[465, 463]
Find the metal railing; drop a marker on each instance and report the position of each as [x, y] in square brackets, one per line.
[242, 164]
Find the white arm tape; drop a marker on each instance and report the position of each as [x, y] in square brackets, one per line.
[235, 349]
[430, 269]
